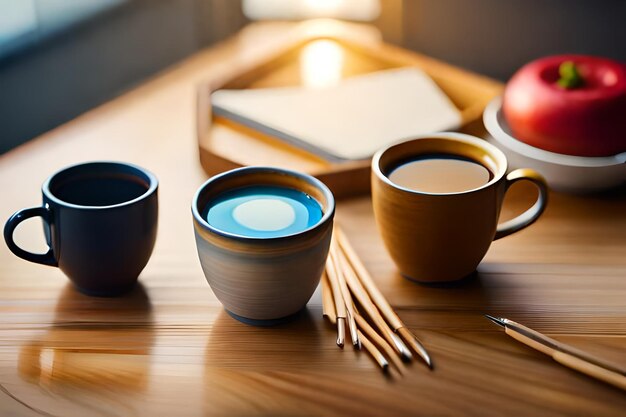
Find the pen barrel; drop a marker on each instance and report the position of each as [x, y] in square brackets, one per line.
[520, 337]
[547, 345]
[590, 369]
[573, 362]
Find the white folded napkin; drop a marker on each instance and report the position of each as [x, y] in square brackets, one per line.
[348, 121]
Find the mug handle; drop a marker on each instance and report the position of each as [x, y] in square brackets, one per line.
[17, 218]
[532, 214]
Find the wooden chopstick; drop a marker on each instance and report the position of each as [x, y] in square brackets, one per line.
[345, 292]
[379, 300]
[369, 346]
[370, 308]
[367, 281]
[340, 306]
[328, 304]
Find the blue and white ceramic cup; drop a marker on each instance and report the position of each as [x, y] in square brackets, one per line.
[259, 279]
[100, 223]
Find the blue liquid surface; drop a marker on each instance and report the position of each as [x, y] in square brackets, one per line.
[263, 211]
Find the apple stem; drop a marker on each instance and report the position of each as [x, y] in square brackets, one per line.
[570, 77]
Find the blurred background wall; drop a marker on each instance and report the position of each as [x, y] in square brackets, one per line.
[59, 58]
[495, 37]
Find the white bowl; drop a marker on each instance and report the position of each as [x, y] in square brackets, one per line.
[578, 174]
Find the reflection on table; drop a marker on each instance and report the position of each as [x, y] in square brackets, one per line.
[96, 346]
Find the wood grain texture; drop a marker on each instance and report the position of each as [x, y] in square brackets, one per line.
[170, 349]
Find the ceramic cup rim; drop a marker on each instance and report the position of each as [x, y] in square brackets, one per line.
[496, 153]
[326, 217]
[153, 184]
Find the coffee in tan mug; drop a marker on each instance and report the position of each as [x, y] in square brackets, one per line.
[437, 200]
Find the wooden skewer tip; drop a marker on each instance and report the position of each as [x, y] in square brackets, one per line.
[356, 341]
[341, 331]
[416, 345]
[376, 338]
[404, 351]
[370, 308]
[375, 353]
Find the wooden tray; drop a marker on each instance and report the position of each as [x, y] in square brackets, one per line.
[225, 145]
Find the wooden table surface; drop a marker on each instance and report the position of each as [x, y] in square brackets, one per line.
[168, 348]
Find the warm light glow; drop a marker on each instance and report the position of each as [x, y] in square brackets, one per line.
[46, 361]
[359, 10]
[321, 63]
[323, 6]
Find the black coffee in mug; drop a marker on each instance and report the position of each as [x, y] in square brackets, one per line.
[100, 222]
[99, 190]
[440, 174]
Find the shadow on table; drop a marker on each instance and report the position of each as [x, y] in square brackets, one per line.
[614, 194]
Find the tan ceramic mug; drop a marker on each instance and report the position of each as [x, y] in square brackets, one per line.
[437, 237]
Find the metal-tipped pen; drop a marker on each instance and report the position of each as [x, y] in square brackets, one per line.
[341, 331]
[566, 355]
[497, 320]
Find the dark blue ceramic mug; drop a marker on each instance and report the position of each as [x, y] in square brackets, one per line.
[100, 223]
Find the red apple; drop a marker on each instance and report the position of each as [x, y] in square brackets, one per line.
[569, 104]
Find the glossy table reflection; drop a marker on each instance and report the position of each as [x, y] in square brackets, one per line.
[168, 348]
